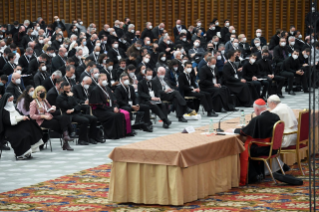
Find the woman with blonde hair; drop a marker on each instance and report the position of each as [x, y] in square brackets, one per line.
[43, 113]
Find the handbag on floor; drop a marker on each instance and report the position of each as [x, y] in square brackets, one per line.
[289, 179]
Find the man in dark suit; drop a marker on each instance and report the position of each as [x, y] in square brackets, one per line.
[3, 59]
[57, 42]
[58, 23]
[58, 62]
[292, 45]
[147, 96]
[299, 41]
[50, 81]
[70, 75]
[34, 64]
[17, 38]
[27, 38]
[147, 32]
[94, 56]
[224, 31]
[178, 28]
[14, 87]
[115, 53]
[15, 28]
[274, 40]
[263, 41]
[9, 67]
[165, 93]
[78, 57]
[87, 71]
[25, 59]
[280, 54]
[41, 75]
[81, 93]
[80, 69]
[54, 92]
[91, 43]
[127, 100]
[158, 30]
[188, 87]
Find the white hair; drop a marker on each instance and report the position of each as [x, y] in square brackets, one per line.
[26, 22]
[256, 39]
[57, 73]
[131, 25]
[86, 78]
[291, 37]
[259, 29]
[184, 31]
[73, 36]
[177, 52]
[274, 99]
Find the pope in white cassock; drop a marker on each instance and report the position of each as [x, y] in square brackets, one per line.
[286, 115]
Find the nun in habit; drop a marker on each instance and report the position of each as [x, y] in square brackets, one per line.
[25, 136]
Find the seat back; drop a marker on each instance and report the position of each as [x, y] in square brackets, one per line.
[303, 128]
[277, 135]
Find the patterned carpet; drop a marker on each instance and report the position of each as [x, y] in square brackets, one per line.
[88, 191]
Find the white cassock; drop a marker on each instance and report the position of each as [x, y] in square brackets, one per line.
[286, 115]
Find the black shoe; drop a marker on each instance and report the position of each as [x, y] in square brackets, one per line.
[182, 119]
[92, 141]
[81, 142]
[98, 140]
[188, 110]
[223, 110]
[148, 128]
[165, 125]
[4, 147]
[291, 93]
[167, 121]
[280, 96]
[234, 109]
[41, 147]
[211, 114]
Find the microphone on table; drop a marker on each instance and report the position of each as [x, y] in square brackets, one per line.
[219, 129]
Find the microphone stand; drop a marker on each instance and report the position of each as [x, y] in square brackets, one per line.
[219, 129]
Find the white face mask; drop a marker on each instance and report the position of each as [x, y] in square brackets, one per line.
[104, 83]
[292, 43]
[148, 42]
[115, 46]
[188, 70]
[295, 56]
[132, 75]
[126, 82]
[217, 23]
[57, 19]
[110, 68]
[199, 24]
[143, 71]
[66, 45]
[96, 76]
[213, 28]
[163, 58]
[232, 39]
[257, 44]
[132, 31]
[49, 42]
[300, 36]
[305, 56]
[75, 30]
[18, 81]
[146, 60]
[227, 24]
[104, 61]
[196, 44]
[44, 68]
[244, 40]
[161, 76]
[258, 34]
[233, 31]
[168, 42]
[283, 43]
[150, 27]
[175, 68]
[219, 57]
[41, 41]
[98, 44]
[86, 86]
[184, 39]
[81, 23]
[38, 28]
[105, 41]
[148, 78]
[184, 61]
[223, 51]
[252, 61]
[61, 33]
[73, 76]
[31, 93]
[312, 40]
[60, 40]
[212, 66]
[313, 9]
[97, 53]
[236, 45]
[114, 33]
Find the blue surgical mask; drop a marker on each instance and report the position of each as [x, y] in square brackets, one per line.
[15, 51]
[1, 84]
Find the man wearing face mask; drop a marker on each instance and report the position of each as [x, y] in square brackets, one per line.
[35, 63]
[196, 52]
[57, 31]
[145, 61]
[39, 46]
[14, 86]
[224, 31]
[291, 45]
[104, 31]
[91, 43]
[130, 33]
[95, 73]
[41, 75]
[95, 54]
[274, 40]
[232, 46]
[298, 38]
[58, 62]
[311, 19]
[4, 59]
[127, 100]
[291, 68]
[183, 41]
[243, 45]
[188, 87]
[211, 32]
[17, 70]
[164, 92]
[263, 40]
[15, 28]
[87, 71]
[27, 38]
[50, 81]
[280, 54]
[147, 32]
[158, 30]
[81, 93]
[116, 54]
[9, 67]
[266, 71]
[57, 42]
[58, 23]
[70, 75]
[17, 38]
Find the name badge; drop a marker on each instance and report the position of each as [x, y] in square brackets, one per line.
[152, 94]
[119, 57]
[130, 103]
[112, 82]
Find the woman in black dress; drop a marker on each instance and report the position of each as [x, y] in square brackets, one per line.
[24, 135]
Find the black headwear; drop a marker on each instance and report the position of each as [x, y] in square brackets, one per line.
[3, 102]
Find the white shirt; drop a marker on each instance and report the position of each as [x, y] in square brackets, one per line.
[286, 115]
[85, 51]
[16, 61]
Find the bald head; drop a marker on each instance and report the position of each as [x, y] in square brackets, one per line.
[161, 71]
[15, 77]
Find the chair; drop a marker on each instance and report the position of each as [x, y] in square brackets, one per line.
[47, 131]
[275, 144]
[302, 138]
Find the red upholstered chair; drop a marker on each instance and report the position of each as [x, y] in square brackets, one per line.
[302, 138]
[275, 144]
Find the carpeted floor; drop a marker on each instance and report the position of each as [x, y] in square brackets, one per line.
[88, 191]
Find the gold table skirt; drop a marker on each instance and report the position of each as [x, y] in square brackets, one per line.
[172, 185]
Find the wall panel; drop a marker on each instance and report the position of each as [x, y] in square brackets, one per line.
[245, 15]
